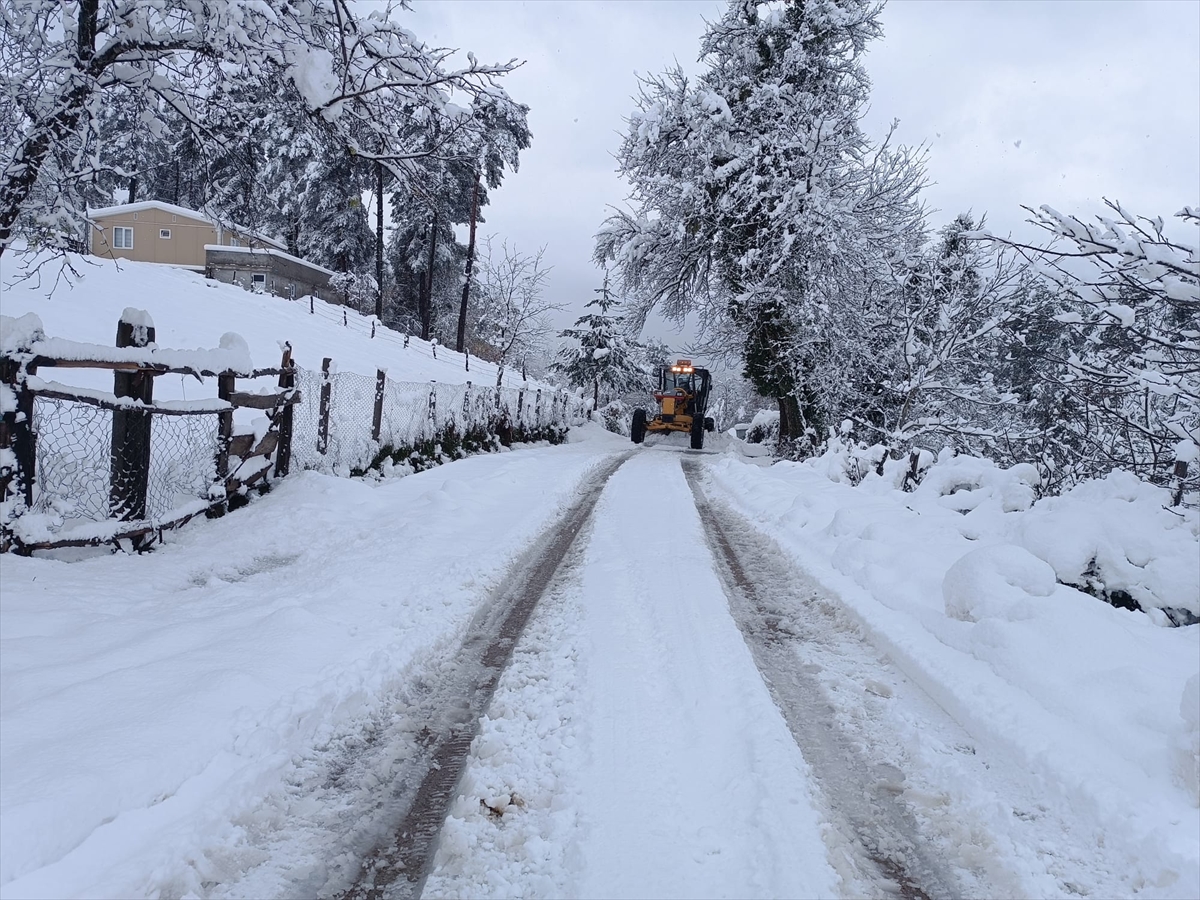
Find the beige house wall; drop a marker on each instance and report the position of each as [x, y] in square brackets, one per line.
[185, 246]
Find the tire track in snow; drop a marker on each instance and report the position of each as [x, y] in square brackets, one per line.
[878, 830]
[398, 868]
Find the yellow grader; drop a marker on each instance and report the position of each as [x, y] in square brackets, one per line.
[683, 399]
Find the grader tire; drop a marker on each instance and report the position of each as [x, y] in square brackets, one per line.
[637, 430]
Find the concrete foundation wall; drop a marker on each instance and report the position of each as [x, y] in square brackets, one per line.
[281, 275]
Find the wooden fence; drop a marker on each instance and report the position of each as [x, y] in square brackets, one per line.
[133, 410]
[346, 423]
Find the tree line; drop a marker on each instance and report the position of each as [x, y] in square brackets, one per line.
[762, 210]
[307, 120]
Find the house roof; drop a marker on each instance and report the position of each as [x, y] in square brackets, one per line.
[141, 205]
[270, 252]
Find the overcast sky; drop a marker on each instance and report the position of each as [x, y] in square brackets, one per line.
[1019, 102]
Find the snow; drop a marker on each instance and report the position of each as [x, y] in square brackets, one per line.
[189, 310]
[20, 332]
[960, 584]
[648, 756]
[144, 730]
[171, 720]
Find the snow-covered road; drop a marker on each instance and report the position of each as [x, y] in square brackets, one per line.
[685, 781]
[689, 712]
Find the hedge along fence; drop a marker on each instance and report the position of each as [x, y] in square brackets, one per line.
[349, 424]
[83, 467]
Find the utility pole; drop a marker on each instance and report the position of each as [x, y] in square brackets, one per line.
[462, 309]
[379, 240]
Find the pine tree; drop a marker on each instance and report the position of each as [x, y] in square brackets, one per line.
[605, 357]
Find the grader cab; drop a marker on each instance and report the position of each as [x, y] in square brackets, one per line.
[682, 396]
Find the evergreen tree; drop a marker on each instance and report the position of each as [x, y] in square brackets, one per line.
[605, 357]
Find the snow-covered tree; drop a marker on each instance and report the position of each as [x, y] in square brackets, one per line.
[954, 307]
[1127, 307]
[762, 207]
[604, 357]
[513, 312]
[385, 95]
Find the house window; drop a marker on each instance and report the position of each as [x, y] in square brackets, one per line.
[164, 233]
[234, 242]
[123, 238]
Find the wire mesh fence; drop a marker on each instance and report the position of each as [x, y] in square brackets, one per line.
[74, 440]
[412, 413]
[74, 460]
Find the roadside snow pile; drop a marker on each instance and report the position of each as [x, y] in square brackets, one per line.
[1118, 535]
[996, 582]
[977, 592]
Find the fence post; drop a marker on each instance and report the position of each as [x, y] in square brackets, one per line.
[520, 404]
[432, 408]
[130, 450]
[377, 416]
[226, 382]
[287, 382]
[311, 305]
[467, 408]
[537, 410]
[323, 421]
[433, 347]
[17, 434]
[467, 359]
[1181, 468]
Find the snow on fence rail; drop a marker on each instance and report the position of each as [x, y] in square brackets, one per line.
[86, 467]
[348, 422]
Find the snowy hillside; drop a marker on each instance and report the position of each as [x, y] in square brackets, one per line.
[190, 311]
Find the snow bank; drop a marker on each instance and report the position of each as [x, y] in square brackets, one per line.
[153, 706]
[968, 585]
[1117, 534]
[997, 582]
[189, 310]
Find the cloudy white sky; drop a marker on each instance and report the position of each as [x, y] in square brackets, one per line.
[1020, 102]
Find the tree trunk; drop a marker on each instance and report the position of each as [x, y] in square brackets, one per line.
[427, 306]
[462, 309]
[379, 241]
[791, 425]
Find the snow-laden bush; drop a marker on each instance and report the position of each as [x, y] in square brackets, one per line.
[996, 582]
[764, 427]
[963, 483]
[1118, 539]
[616, 417]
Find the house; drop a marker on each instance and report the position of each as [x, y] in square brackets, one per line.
[157, 232]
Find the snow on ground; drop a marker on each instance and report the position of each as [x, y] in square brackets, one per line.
[958, 584]
[149, 703]
[190, 311]
[644, 750]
